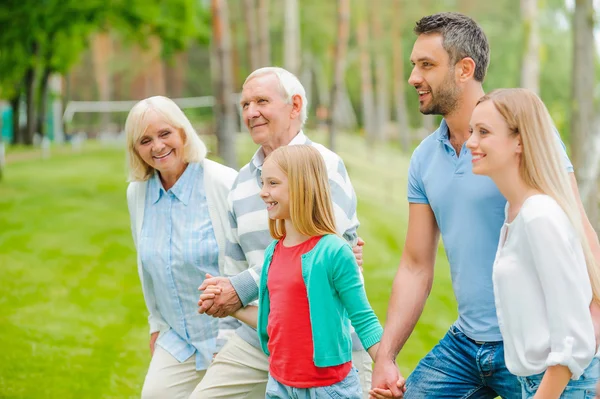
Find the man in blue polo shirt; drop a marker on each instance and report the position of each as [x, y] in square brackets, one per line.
[450, 58]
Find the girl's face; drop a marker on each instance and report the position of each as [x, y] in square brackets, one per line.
[161, 145]
[275, 191]
[495, 148]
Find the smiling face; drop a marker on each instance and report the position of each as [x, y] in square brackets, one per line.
[432, 76]
[161, 145]
[266, 113]
[495, 148]
[275, 191]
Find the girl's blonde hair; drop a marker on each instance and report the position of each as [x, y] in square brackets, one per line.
[542, 166]
[311, 210]
[194, 149]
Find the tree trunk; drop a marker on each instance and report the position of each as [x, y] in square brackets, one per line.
[582, 108]
[253, 49]
[15, 105]
[398, 66]
[263, 34]
[341, 47]
[43, 102]
[222, 80]
[530, 69]
[30, 105]
[291, 50]
[381, 74]
[366, 77]
[101, 57]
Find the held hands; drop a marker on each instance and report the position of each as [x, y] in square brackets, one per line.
[218, 304]
[387, 381]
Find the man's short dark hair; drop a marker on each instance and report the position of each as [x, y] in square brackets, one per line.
[461, 37]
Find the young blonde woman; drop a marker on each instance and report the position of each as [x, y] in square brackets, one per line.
[177, 204]
[544, 274]
[310, 287]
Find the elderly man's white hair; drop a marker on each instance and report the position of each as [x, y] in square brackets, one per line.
[288, 82]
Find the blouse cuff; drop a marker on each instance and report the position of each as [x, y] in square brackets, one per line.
[565, 358]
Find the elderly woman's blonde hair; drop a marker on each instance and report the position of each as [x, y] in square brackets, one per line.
[194, 149]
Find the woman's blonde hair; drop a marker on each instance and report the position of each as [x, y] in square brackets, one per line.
[194, 149]
[542, 166]
[311, 210]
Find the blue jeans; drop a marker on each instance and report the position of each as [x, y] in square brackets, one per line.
[348, 388]
[583, 388]
[458, 367]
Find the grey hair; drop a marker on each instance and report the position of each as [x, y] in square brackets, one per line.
[461, 37]
[288, 83]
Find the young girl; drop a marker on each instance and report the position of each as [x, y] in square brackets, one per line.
[311, 287]
[544, 273]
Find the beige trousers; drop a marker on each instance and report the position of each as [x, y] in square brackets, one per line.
[167, 378]
[241, 371]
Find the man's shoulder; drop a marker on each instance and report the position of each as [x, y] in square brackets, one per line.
[426, 145]
[326, 153]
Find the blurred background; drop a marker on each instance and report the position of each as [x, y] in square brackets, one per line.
[72, 318]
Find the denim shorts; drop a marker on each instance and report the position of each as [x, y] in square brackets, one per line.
[583, 388]
[348, 388]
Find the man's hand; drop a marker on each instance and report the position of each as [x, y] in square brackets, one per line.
[153, 338]
[221, 305]
[386, 380]
[595, 312]
[358, 252]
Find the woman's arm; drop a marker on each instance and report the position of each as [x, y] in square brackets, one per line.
[554, 382]
[562, 273]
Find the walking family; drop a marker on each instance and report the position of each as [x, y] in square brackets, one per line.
[275, 254]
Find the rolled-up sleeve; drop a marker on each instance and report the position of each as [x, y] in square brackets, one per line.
[567, 293]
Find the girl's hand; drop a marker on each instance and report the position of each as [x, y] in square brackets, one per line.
[380, 393]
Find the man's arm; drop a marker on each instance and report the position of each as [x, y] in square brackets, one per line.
[410, 290]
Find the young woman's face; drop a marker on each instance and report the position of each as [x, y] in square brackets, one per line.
[275, 191]
[494, 147]
[161, 145]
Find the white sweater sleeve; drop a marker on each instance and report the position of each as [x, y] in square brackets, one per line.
[560, 267]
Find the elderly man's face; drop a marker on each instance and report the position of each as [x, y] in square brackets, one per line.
[266, 113]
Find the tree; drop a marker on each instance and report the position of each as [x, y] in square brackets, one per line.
[398, 68]
[382, 94]
[530, 67]
[341, 48]
[582, 104]
[291, 48]
[366, 75]
[223, 84]
[264, 42]
[254, 52]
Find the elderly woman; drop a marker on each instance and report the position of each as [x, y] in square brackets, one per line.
[178, 207]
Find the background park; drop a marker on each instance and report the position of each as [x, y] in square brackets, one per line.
[72, 318]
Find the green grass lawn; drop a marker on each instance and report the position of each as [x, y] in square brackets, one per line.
[72, 318]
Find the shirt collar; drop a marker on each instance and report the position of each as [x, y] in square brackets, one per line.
[443, 133]
[259, 156]
[182, 189]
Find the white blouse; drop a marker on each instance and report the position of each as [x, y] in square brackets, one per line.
[543, 292]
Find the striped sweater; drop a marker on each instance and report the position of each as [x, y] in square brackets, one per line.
[249, 234]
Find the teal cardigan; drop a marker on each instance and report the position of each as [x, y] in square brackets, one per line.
[336, 296]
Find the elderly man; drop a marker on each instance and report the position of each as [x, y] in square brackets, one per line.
[274, 108]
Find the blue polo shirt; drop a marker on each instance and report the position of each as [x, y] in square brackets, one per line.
[469, 211]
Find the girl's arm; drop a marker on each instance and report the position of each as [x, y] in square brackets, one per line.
[348, 283]
[554, 382]
[248, 315]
